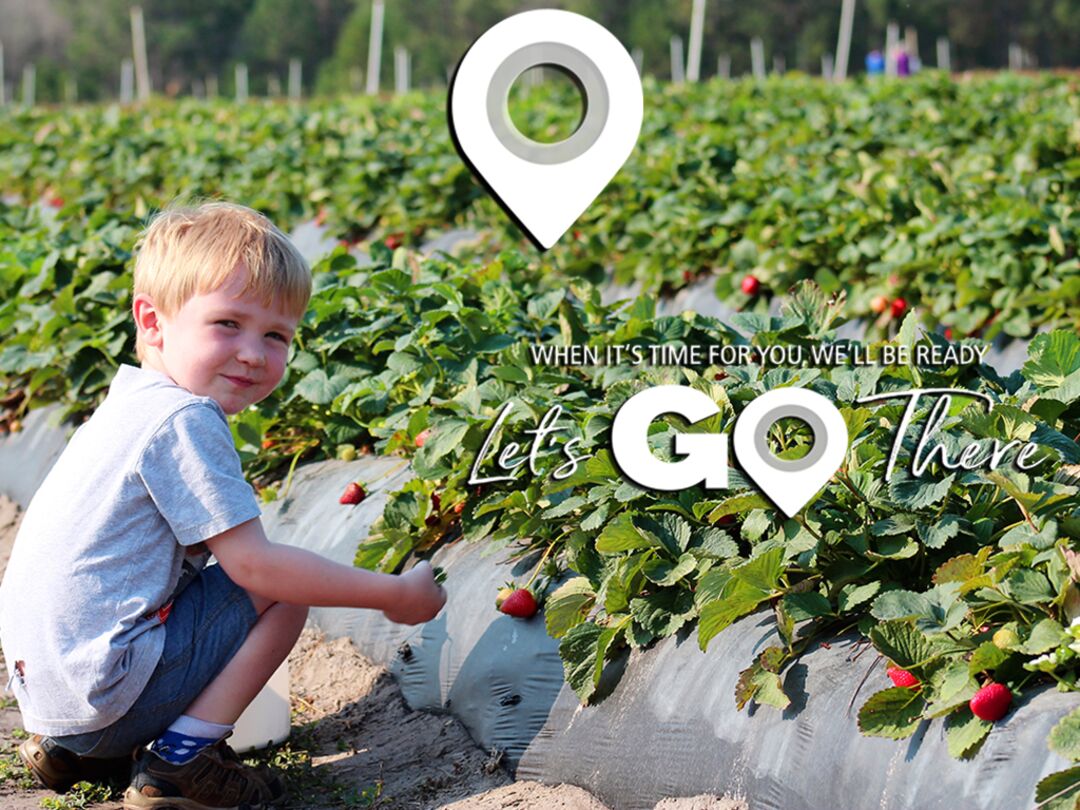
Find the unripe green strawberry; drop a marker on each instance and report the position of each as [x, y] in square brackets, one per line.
[346, 452]
[502, 595]
[1005, 638]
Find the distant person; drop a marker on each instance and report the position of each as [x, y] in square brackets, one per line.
[903, 63]
[875, 63]
[116, 632]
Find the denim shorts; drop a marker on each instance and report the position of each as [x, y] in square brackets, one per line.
[209, 621]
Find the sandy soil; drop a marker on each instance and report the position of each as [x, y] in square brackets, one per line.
[354, 743]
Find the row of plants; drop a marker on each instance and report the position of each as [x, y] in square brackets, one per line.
[961, 579]
[958, 196]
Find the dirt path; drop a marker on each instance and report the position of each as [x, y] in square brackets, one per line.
[354, 743]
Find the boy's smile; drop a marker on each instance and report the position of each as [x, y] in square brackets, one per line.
[220, 344]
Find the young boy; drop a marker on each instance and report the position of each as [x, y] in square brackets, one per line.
[115, 631]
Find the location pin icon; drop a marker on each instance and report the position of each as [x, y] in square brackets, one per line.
[546, 187]
[790, 484]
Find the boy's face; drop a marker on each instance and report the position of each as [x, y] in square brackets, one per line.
[223, 345]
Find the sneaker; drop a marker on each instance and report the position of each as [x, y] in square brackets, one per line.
[215, 778]
[58, 769]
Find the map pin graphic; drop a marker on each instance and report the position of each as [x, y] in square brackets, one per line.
[790, 484]
[546, 187]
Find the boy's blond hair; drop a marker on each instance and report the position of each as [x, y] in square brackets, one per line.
[190, 250]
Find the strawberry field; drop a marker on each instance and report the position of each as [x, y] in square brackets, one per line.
[939, 213]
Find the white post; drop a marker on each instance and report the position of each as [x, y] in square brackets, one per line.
[723, 66]
[779, 64]
[697, 24]
[911, 45]
[295, 80]
[127, 81]
[374, 56]
[138, 45]
[1015, 57]
[356, 79]
[757, 57]
[273, 86]
[892, 45]
[401, 70]
[211, 86]
[29, 84]
[241, 83]
[678, 65]
[843, 41]
[3, 89]
[638, 56]
[827, 66]
[943, 60]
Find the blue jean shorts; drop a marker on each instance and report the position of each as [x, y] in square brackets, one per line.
[209, 621]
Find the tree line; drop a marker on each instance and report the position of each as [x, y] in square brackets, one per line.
[79, 44]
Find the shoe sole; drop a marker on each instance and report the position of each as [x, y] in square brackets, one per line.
[39, 775]
[133, 800]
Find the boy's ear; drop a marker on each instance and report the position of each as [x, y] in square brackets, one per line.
[146, 319]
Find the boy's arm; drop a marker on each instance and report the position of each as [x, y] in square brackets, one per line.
[289, 574]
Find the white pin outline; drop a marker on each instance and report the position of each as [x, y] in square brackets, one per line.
[545, 199]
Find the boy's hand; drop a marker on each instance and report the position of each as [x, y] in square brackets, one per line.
[420, 596]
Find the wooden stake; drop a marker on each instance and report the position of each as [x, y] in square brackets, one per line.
[127, 81]
[757, 57]
[697, 24]
[296, 85]
[678, 69]
[723, 66]
[843, 41]
[378, 10]
[29, 84]
[241, 83]
[401, 70]
[943, 60]
[138, 45]
[892, 46]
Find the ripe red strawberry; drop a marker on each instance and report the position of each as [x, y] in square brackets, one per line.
[899, 307]
[879, 303]
[901, 677]
[436, 501]
[750, 285]
[56, 201]
[719, 375]
[394, 240]
[267, 444]
[422, 437]
[687, 276]
[353, 494]
[459, 507]
[991, 702]
[520, 603]
[948, 333]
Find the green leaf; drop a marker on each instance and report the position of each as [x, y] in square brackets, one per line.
[568, 606]
[737, 599]
[964, 732]
[758, 683]
[663, 613]
[986, 658]
[803, 606]
[894, 713]
[852, 595]
[621, 534]
[1051, 358]
[1065, 736]
[665, 572]
[941, 532]
[1028, 587]
[578, 650]
[763, 572]
[1060, 790]
[904, 645]
[1045, 635]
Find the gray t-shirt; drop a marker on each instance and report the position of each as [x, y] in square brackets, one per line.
[100, 550]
